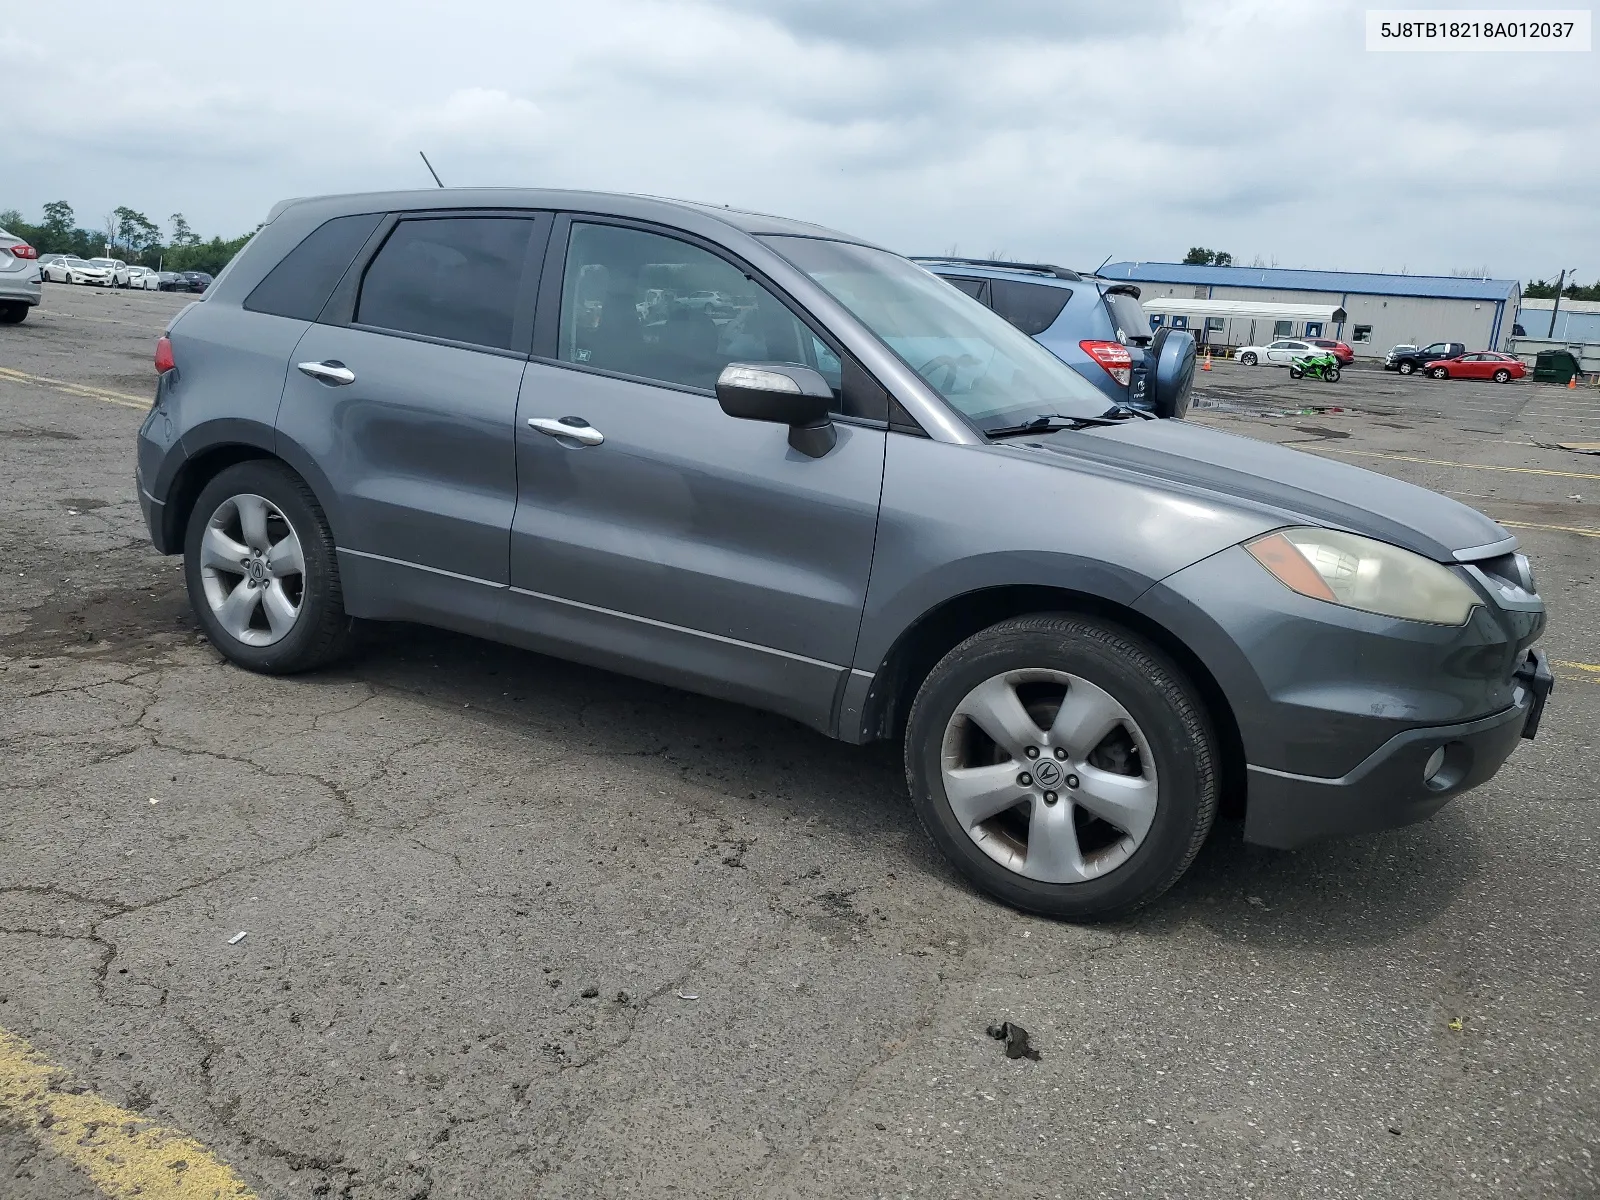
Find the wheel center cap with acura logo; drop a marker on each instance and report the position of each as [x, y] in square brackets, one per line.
[257, 570]
[1049, 773]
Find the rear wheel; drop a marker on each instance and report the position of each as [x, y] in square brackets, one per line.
[1408, 368]
[1248, 360]
[262, 573]
[1331, 375]
[1064, 765]
[14, 314]
[1502, 376]
[1295, 372]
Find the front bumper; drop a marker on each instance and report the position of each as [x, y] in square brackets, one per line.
[1393, 786]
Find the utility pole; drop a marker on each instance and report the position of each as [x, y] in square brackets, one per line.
[1550, 336]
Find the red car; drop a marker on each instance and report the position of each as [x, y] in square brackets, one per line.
[1339, 350]
[1485, 364]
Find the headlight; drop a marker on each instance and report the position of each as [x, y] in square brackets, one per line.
[1358, 572]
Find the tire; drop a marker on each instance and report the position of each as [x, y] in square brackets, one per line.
[1295, 373]
[1408, 368]
[1248, 360]
[1502, 376]
[319, 630]
[1439, 373]
[1102, 870]
[1331, 375]
[14, 314]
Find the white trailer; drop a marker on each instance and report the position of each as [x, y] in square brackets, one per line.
[1220, 323]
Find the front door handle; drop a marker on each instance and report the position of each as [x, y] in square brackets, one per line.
[575, 428]
[331, 372]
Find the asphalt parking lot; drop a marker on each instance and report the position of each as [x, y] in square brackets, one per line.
[519, 928]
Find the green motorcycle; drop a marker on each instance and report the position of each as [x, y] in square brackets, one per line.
[1315, 366]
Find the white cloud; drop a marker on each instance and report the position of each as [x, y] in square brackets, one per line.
[1061, 130]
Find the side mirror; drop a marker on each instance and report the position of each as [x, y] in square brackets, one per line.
[1173, 352]
[784, 394]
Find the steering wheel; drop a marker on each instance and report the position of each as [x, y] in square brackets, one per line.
[951, 363]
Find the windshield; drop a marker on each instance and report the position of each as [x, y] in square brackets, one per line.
[986, 369]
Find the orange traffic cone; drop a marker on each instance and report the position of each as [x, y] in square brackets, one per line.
[1206, 366]
[1572, 383]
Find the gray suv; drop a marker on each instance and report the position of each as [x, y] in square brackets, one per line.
[847, 493]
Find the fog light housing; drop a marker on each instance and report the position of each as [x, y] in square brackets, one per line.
[1446, 766]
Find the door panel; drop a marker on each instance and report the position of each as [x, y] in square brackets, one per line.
[690, 546]
[418, 447]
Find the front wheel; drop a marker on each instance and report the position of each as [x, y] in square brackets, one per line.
[1248, 360]
[1408, 368]
[1331, 374]
[262, 572]
[1502, 376]
[1439, 373]
[1064, 765]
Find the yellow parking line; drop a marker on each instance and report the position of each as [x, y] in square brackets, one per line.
[125, 1154]
[1445, 462]
[1551, 528]
[1592, 667]
[77, 389]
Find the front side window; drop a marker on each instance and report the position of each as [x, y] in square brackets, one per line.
[981, 364]
[455, 278]
[651, 306]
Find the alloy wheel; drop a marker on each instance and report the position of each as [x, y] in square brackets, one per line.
[1049, 774]
[253, 570]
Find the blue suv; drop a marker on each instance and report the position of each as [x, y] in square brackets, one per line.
[1093, 325]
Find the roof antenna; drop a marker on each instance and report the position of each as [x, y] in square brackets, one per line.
[1103, 262]
[431, 171]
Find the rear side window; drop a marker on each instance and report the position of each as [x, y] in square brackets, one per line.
[454, 278]
[1031, 307]
[300, 285]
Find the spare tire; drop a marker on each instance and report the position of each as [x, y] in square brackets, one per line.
[1173, 353]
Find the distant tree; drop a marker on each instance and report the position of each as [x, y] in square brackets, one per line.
[1537, 289]
[182, 235]
[136, 233]
[1222, 259]
[11, 218]
[1199, 256]
[58, 227]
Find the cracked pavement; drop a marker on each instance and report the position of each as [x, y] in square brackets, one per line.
[521, 928]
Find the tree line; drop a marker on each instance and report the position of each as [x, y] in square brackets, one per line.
[125, 234]
[1543, 289]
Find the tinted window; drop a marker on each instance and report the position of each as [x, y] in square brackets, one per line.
[642, 304]
[1031, 307]
[300, 285]
[972, 287]
[451, 277]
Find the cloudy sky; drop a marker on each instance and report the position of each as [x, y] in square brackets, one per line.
[1060, 130]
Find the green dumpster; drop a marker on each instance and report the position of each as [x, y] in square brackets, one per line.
[1554, 366]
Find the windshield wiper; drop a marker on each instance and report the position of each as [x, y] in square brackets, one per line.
[1050, 423]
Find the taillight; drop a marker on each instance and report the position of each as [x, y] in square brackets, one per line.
[1113, 356]
[23, 250]
[164, 361]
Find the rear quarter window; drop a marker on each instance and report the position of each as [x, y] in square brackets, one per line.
[300, 285]
[1031, 307]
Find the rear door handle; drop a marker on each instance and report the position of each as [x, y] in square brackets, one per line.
[575, 428]
[331, 372]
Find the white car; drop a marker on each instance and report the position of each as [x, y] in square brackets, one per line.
[69, 268]
[1280, 353]
[118, 269]
[142, 278]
